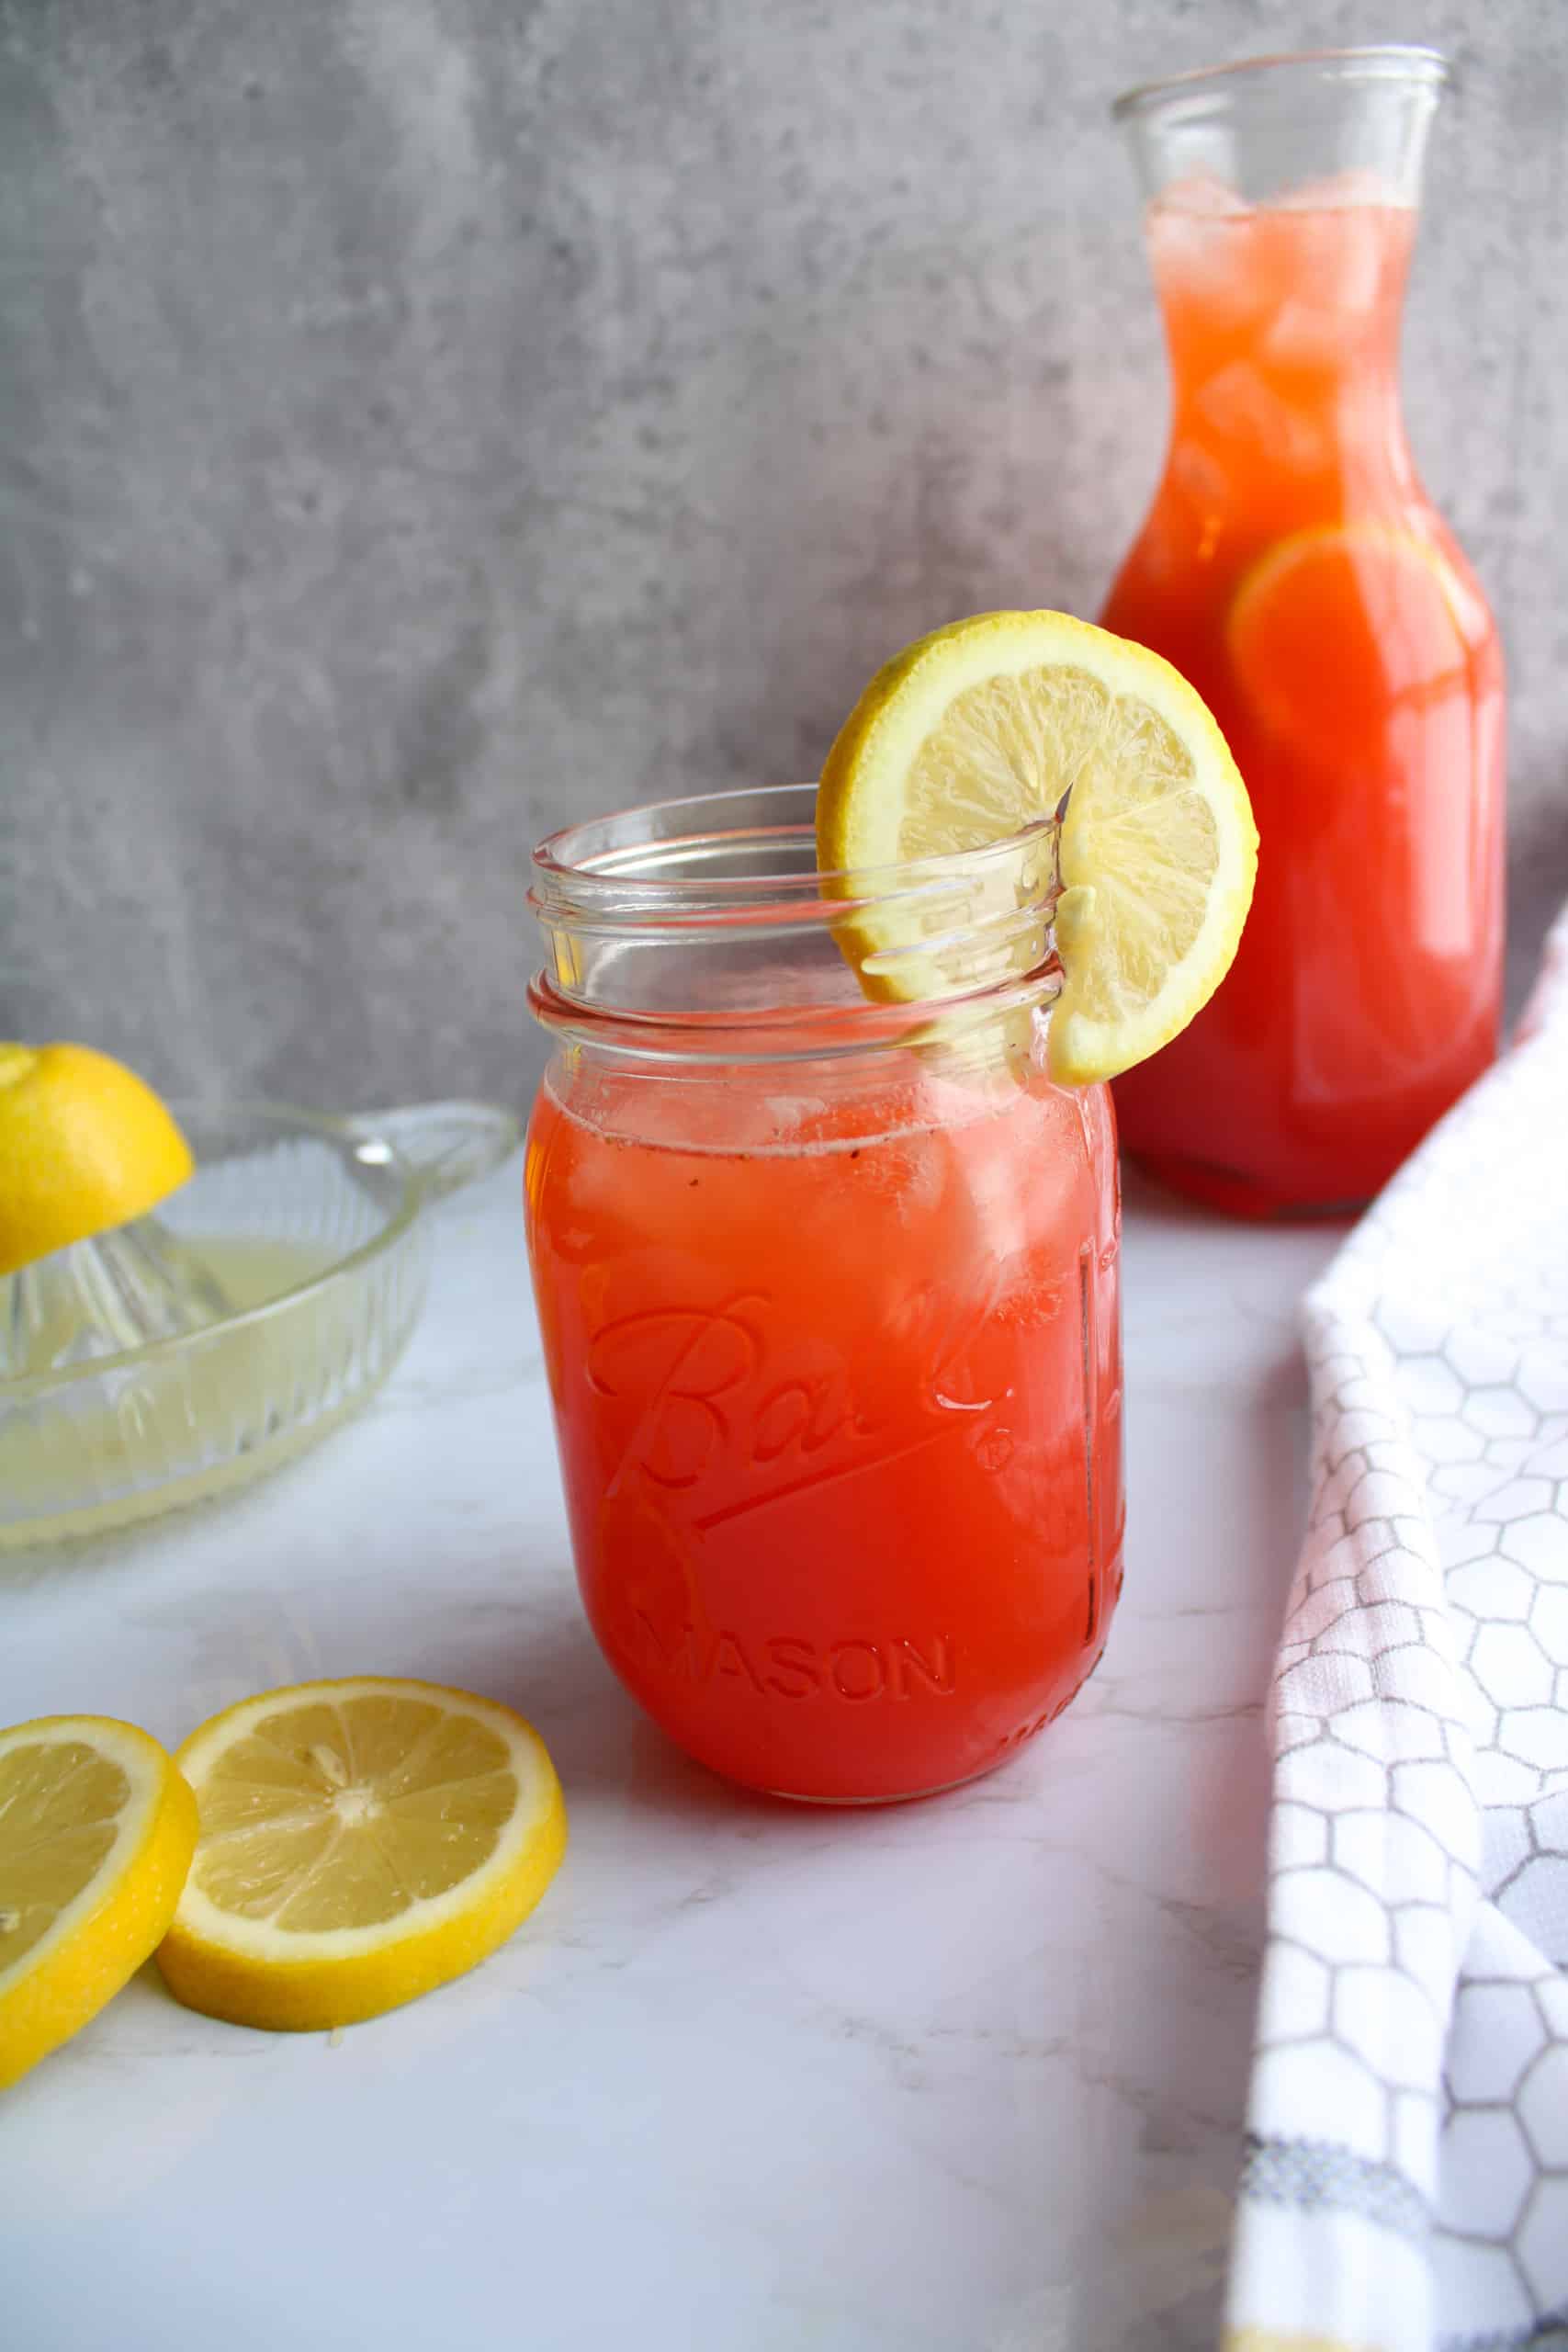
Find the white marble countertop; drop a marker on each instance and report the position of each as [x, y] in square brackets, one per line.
[959, 2077]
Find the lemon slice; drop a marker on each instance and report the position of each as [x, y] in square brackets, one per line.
[96, 1833]
[980, 730]
[361, 1842]
[85, 1144]
[1338, 628]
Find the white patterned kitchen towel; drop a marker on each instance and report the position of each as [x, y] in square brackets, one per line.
[1405, 2181]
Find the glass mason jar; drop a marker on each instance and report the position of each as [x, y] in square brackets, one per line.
[829, 1293]
[1293, 569]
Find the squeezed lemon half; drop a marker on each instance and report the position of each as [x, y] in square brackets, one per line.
[85, 1144]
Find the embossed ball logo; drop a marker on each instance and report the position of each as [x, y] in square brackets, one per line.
[710, 1430]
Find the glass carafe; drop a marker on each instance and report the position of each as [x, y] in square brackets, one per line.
[1293, 568]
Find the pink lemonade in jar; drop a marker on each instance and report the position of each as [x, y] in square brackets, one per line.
[829, 1292]
[837, 1393]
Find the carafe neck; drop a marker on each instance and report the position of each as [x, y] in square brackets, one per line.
[1282, 326]
[1282, 198]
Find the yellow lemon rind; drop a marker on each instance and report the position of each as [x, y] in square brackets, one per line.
[232, 1968]
[861, 805]
[102, 1937]
[86, 1145]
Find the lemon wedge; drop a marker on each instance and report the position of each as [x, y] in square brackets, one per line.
[983, 729]
[362, 1841]
[96, 1833]
[85, 1144]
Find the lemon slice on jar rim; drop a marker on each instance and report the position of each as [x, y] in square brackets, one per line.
[983, 728]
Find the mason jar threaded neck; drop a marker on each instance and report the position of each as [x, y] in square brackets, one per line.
[702, 930]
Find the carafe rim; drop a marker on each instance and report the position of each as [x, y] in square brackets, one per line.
[1391, 61]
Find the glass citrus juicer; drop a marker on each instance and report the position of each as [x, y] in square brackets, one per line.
[178, 1353]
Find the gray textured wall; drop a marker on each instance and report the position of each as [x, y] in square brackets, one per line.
[424, 420]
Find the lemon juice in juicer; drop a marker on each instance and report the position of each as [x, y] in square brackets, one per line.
[1294, 570]
[823, 1212]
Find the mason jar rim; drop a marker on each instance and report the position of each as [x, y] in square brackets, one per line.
[1390, 61]
[732, 875]
[575, 881]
